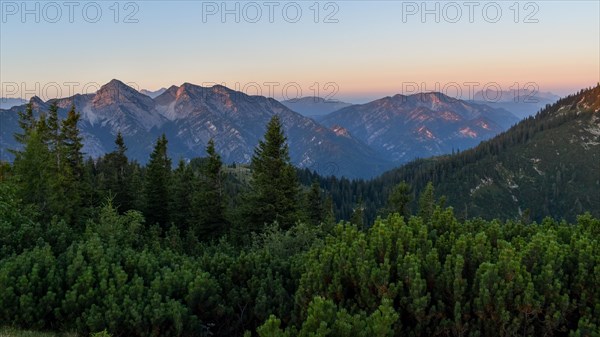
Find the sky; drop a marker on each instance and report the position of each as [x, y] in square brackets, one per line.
[353, 51]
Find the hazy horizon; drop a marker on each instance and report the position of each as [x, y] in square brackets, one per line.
[352, 51]
[410, 90]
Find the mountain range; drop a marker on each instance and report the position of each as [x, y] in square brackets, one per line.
[402, 128]
[357, 141]
[190, 116]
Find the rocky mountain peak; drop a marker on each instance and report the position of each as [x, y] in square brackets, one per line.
[115, 92]
[115, 85]
[36, 102]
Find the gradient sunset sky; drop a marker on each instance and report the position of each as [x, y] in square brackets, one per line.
[375, 49]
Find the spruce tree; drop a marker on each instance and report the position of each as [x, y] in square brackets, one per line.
[121, 164]
[27, 124]
[72, 144]
[399, 200]
[314, 204]
[41, 127]
[274, 188]
[31, 172]
[157, 185]
[329, 213]
[53, 135]
[182, 196]
[427, 202]
[118, 176]
[209, 199]
[358, 214]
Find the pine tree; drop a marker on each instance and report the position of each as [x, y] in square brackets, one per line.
[182, 191]
[91, 190]
[399, 200]
[314, 204]
[118, 176]
[31, 172]
[41, 127]
[123, 197]
[157, 185]
[209, 201]
[49, 130]
[72, 144]
[27, 123]
[328, 213]
[358, 214]
[53, 135]
[121, 147]
[427, 202]
[274, 188]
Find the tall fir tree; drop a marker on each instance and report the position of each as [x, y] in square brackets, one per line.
[41, 127]
[314, 204]
[27, 123]
[209, 199]
[182, 196]
[329, 213]
[157, 185]
[124, 195]
[399, 200]
[72, 144]
[118, 176]
[49, 130]
[53, 136]
[358, 214]
[274, 187]
[31, 172]
[427, 202]
[65, 145]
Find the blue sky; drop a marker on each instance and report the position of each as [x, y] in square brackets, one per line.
[369, 49]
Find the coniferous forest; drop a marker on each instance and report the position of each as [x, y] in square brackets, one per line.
[199, 248]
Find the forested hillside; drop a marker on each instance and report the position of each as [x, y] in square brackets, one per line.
[547, 165]
[209, 250]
